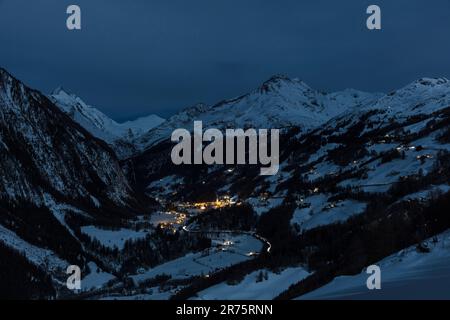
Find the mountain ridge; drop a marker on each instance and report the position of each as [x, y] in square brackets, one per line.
[45, 153]
[278, 102]
[118, 135]
[369, 178]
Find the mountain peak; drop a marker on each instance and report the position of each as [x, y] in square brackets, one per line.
[10, 87]
[279, 81]
[3, 71]
[431, 81]
[278, 77]
[425, 84]
[195, 109]
[4, 74]
[59, 90]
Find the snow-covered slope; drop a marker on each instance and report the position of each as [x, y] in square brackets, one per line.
[53, 175]
[349, 161]
[408, 274]
[370, 146]
[277, 103]
[259, 285]
[44, 151]
[376, 160]
[38, 256]
[424, 95]
[100, 125]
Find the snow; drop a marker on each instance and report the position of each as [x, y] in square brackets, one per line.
[45, 259]
[53, 160]
[161, 217]
[96, 278]
[382, 147]
[416, 127]
[260, 207]
[323, 151]
[250, 289]
[422, 96]
[95, 201]
[99, 124]
[430, 142]
[112, 238]
[205, 262]
[280, 177]
[166, 185]
[320, 212]
[154, 294]
[140, 126]
[381, 176]
[59, 212]
[425, 194]
[279, 102]
[3, 145]
[407, 274]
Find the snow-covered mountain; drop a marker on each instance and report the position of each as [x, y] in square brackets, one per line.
[43, 151]
[363, 179]
[363, 184]
[424, 95]
[278, 102]
[118, 135]
[409, 124]
[54, 176]
[405, 274]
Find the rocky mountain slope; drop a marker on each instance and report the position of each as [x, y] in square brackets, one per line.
[54, 177]
[118, 135]
[344, 190]
[44, 153]
[278, 102]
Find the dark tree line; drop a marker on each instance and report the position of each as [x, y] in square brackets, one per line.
[20, 279]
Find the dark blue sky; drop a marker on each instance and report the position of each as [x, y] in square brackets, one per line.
[157, 56]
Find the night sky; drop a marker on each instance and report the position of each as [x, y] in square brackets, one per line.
[138, 57]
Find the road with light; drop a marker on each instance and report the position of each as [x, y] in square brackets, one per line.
[238, 232]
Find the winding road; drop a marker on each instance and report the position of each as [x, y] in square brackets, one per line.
[238, 232]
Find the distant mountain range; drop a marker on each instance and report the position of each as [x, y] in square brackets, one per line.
[278, 102]
[47, 155]
[119, 135]
[362, 176]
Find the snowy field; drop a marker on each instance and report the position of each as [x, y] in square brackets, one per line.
[425, 194]
[205, 262]
[249, 289]
[97, 278]
[260, 207]
[166, 185]
[404, 275]
[43, 258]
[161, 217]
[154, 294]
[322, 213]
[112, 238]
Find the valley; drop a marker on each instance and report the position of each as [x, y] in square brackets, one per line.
[362, 177]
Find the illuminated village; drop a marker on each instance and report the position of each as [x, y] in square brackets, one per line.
[177, 217]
